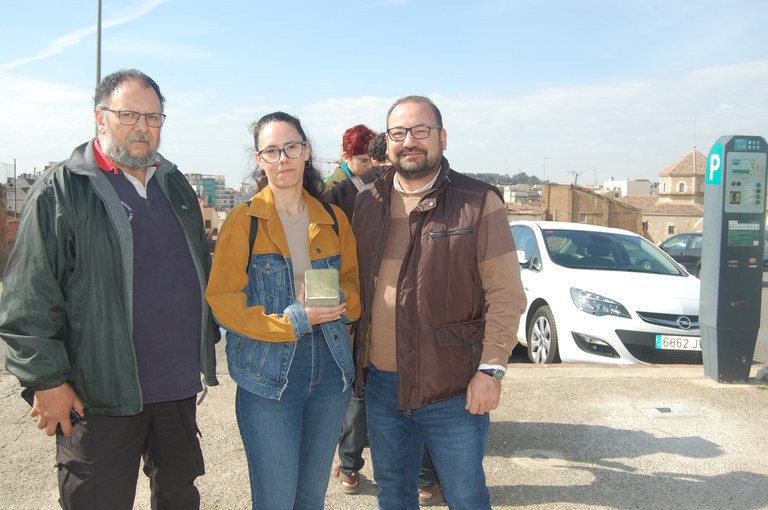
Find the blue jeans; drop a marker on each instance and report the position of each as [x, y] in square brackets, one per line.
[354, 436]
[455, 439]
[289, 443]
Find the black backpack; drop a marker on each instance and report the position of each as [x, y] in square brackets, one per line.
[254, 229]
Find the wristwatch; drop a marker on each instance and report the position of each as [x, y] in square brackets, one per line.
[496, 374]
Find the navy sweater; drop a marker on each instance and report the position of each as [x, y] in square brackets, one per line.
[166, 295]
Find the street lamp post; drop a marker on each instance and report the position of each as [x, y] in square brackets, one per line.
[98, 50]
[98, 44]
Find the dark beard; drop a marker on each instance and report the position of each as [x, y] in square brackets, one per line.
[414, 172]
[121, 157]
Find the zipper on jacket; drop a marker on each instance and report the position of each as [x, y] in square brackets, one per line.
[446, 233]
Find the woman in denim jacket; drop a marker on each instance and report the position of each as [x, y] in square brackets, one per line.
[292, 363]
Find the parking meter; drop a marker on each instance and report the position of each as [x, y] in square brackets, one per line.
[732, 256]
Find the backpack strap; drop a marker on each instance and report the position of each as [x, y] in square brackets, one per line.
[329, 209]
[254, 229]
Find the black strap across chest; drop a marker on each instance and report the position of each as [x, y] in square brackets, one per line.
[254, 229]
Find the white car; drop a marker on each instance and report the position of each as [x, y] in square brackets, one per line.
[603, 295]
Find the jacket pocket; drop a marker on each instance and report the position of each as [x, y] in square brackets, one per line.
[446, 233]
[462, 334]
[260, 362]
[459, 347]
[269, 283]
[332, 262]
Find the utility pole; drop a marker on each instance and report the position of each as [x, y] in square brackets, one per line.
[98, 43]
[575, 176]
[98, 50]
[544, 174]
[15, 187]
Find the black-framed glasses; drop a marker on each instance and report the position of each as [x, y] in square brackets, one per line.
[293, 150]
[131, 118]
[420, 132]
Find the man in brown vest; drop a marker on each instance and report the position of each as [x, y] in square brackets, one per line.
[442, 300]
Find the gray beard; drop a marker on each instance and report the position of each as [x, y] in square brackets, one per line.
[120, 156]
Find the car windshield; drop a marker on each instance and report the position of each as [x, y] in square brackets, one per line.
[580, 249]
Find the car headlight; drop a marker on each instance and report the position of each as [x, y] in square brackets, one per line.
[596, 304]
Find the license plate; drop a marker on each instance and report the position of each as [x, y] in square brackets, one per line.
[678, 343]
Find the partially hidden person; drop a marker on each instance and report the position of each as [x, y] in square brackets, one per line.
[355, 160]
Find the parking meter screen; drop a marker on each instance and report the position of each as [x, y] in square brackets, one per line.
[743, 166]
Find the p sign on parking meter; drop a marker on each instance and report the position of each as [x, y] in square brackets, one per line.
[732, 260]
[715, 165]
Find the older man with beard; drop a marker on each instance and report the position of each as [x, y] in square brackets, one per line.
[103, 309]
[442, 298]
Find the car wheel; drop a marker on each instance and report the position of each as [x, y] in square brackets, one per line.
[542, 337]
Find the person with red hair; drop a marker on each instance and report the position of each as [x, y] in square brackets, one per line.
[354, 156]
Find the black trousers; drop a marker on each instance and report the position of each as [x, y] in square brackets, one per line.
[99, 465]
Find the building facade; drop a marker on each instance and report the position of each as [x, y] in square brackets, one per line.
[214, 191]
[204, 186]
[679, 206]
[16, 192]
[575, 204]
[627, 187]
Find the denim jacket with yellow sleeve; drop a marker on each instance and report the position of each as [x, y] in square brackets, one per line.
[258, 309]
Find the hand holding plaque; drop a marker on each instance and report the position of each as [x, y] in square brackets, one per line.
[321, 287]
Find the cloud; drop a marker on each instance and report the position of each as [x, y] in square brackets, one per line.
[635, 127]
[60, 44]
[623, 129]
[45, 120]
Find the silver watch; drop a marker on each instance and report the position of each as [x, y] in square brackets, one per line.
[495, 373]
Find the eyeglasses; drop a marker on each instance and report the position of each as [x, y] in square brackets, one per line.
[131, 118]
[293, 150]
[398, 134]
[363, 160]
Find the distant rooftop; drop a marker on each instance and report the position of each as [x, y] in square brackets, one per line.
[693, 163]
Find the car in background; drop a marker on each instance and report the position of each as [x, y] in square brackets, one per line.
[603, 295]
[765, 249]
[686, 249]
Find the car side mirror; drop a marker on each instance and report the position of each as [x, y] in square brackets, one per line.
[522, 258]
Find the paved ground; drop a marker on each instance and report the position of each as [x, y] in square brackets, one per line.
[565, 437]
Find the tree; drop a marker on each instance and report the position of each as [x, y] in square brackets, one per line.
[499, 179]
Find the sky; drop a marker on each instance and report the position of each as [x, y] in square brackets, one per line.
[566, 90]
